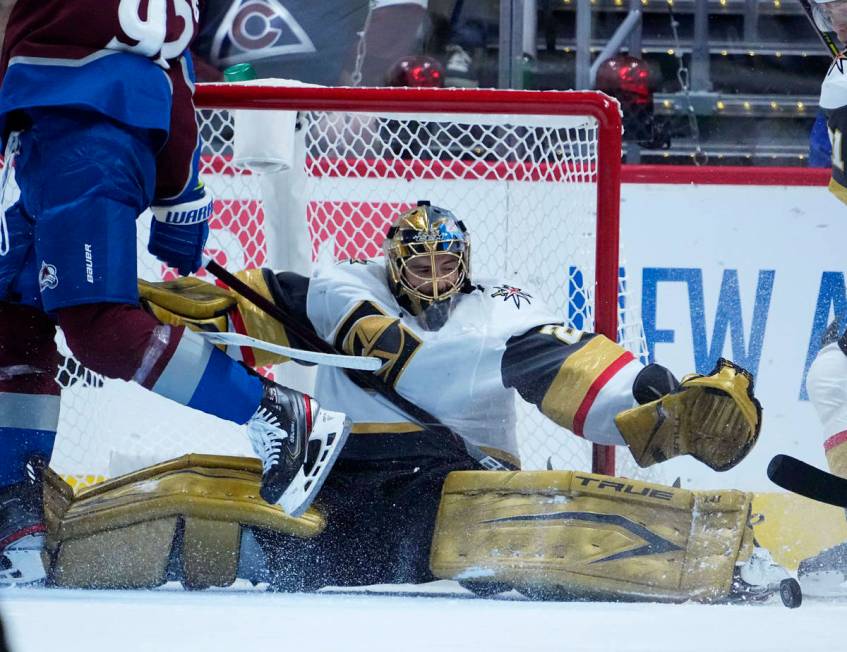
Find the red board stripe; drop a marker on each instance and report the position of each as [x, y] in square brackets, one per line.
[725, 175]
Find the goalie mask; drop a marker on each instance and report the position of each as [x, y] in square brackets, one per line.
[427, 254]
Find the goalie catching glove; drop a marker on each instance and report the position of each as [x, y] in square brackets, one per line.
[714, 418]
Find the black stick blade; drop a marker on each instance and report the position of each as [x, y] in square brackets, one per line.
[804, 479]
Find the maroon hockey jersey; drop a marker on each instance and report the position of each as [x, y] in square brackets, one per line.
[124, 58]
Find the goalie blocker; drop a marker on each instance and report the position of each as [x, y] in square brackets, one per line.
[559, 534]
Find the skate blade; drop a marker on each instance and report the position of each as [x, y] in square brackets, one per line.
[296, 499]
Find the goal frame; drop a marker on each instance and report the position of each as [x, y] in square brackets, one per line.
[604, 109]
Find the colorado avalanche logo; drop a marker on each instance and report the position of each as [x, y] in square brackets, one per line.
[513, 293]
[258, 29]
[47, 278]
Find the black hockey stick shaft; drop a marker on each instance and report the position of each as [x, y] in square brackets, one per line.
[826, 37]
[807, 480]
[312, 340]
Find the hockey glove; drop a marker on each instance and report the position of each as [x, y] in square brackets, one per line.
[715, 419]
[179, 230]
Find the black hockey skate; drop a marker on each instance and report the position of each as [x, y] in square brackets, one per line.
[298, 443]
[825, 574]
[22, 529]
[760, 577]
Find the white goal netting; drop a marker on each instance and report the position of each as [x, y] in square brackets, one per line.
[525, 185]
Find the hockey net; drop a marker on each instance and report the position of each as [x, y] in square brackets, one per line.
[535, 176]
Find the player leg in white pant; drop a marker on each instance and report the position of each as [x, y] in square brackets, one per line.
[826, 382]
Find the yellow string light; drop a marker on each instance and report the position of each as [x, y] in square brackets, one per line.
[746, 105]
[801, 107]
[774, 105]
[670, 51]
[720, 105]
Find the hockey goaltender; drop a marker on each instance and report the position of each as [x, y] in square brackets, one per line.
[411, 501]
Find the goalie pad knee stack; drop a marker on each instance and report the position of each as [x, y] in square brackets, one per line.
[566, 534]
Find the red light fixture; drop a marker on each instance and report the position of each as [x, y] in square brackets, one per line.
[626, 78]
[418, 71]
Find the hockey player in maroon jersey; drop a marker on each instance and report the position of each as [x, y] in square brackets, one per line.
[96, 112]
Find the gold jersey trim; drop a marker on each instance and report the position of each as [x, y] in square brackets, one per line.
[575, 378]
[838, 190]
[836, 457]
[367, 330]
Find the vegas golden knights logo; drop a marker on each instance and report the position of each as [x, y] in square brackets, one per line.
[513, 293]
[368, 331]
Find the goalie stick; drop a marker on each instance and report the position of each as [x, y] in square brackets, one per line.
[364, 362]
[807, 480]
[363, 379]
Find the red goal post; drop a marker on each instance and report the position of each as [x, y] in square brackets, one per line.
[418, 101]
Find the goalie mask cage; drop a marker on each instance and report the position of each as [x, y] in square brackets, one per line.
[534, 175]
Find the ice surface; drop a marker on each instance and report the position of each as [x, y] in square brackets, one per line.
[436, 617]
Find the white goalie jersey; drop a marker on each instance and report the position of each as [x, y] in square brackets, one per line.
[454, 372]
[498, 340]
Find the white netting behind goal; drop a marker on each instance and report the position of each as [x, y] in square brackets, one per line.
[526, 187]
